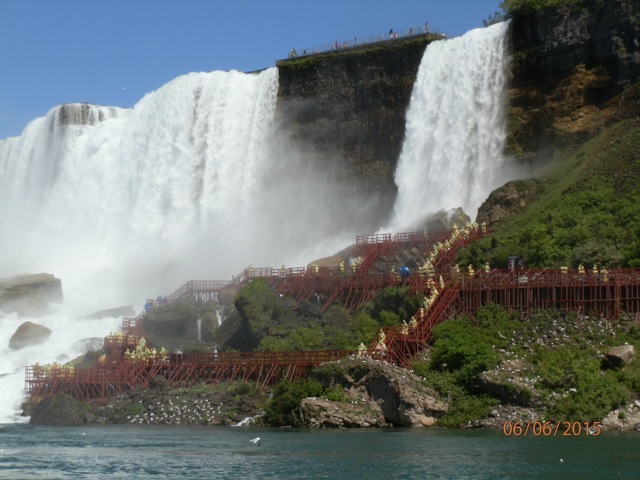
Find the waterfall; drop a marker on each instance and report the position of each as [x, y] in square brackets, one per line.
[198, 181]
[107, 196]
[452, 154]
[199, 325]
[126, 204]
[195, 181]
[67, 341]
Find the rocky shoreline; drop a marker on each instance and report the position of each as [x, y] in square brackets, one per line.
[375, 395]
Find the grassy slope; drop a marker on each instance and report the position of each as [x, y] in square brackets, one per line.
[587, 211]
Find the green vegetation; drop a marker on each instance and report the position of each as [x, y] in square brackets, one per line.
[586, 212]
[462, 349]
[587, 392]
[564, 372]
[281, 409]
[136, 409]
[87, 360]
[238, 389]
[335, 329]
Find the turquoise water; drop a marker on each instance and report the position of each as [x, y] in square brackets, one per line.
[145, 452]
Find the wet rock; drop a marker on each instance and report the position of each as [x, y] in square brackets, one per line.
[30, 295]
[60, 409]
[232, 404]
[123, 311]
[29, 334]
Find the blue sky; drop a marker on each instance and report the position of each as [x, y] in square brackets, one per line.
[113, 52]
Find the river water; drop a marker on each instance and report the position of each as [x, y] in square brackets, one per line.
[144, 452]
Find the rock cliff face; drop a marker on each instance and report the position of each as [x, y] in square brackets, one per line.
[350, 106]
[570, 68]
[597, 33]
[573, 73]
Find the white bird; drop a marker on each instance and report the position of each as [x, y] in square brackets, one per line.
[255, 441]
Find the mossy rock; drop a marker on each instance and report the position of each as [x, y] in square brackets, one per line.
[60, 409]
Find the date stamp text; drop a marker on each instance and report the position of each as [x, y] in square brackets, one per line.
[551, 429]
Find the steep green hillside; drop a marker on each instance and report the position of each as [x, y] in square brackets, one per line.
[586, 210]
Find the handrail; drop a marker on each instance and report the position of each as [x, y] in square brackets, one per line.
[602, 290]
[356, 42]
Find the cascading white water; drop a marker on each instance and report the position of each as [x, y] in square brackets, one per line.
[116, 203]
[68, 340]
[195, 181]
[127, 198]
[452, 154]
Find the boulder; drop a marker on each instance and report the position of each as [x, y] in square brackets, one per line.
[60, 409]
[445, 219]
[30, 295]
[320, 413]
[400, 395]
[624, 418]
[29, 334]
[124, 311]
[508, 200]
[619, 356]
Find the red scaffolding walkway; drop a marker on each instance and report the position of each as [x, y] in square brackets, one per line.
[446, 293]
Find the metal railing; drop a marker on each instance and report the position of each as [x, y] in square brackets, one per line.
[360, 41]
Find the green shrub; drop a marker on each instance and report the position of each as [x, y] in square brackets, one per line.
[281, 409]
[578, 388]
[466, 409]
[597, 393]
[274, 344]
[364, 328]
[242, 388]
[630, 377]
[305, 338]
[135, 409]
[394, 304]
[463, 349]
[335, 394]
[443, 382]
